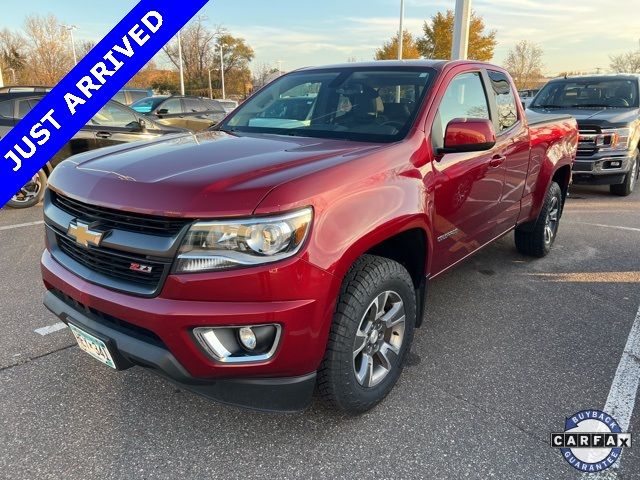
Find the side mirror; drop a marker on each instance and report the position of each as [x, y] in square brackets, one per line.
[162, 111]
[468, 135]
[143, 125]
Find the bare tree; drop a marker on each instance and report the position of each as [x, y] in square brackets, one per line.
[524, 63]
[85, 47]
[200, 53]
[626, 62]
[198, 43]
[263, 74]
[49, 56]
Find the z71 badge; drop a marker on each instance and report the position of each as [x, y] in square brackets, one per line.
[136, 267]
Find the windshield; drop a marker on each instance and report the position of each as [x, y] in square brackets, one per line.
[148, 105]
[588, 93]
[364, 104]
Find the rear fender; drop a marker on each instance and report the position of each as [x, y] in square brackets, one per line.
[553, 147]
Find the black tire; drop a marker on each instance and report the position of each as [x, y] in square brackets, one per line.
[31, 194]
[536, 240]
[369, 279]
[626, 188]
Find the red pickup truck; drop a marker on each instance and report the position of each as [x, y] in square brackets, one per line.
[290, 247]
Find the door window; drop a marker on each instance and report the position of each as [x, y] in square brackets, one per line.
[465, 97]
[136, 95]
[111, 115]
[121, 97]
[215, 106]
[505, 99]
[194, 105]
[25, 106]
[6, 109]
[173, 106]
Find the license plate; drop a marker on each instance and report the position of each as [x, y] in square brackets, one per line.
[93, 346]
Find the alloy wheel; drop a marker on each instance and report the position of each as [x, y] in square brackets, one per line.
[379, 339]
[553, 217]
[30, 191]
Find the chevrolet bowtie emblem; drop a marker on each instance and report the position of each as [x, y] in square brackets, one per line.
[84, 236]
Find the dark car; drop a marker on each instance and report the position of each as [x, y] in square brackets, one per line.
[112, 125]
[193, 113]
[127, 96]
[607, 109]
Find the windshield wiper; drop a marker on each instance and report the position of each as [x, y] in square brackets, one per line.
[590, 105]
[547, 106]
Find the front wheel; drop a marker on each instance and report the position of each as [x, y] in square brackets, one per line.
[626, 188]
[31, 194]
[370, 337]
[536, 240]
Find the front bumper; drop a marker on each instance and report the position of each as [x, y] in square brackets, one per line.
[131, 348]
[598, 169]
[233, 298]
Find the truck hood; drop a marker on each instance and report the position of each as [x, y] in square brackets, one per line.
[211, 174]
[605, 118]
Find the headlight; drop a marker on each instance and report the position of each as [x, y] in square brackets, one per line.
[219, 245]
[614, 140]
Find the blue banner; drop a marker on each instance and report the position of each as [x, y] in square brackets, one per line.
[88, 87]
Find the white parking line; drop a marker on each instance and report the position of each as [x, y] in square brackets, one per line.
[51, 329]
[617, 227]
[21, 225]
[623, 392]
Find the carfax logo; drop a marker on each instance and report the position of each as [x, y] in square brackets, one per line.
[592, 441]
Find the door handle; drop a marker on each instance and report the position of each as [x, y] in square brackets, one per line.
[497, 160]
[103, 135]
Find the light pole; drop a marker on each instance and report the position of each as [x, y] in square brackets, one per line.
[210, 88]
[224, 91]
[180, 64]
[460, 47]
[401, 31]
[1, 79]
[70, 29]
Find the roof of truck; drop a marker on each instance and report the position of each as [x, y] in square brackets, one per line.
[437, 64]
[600, 76]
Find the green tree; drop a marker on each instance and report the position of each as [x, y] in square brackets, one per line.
[438, 37]
[389, 51]
[13, 55]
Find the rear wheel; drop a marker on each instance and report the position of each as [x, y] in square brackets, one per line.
[536, 240]
[626, 188]
[371, 335]
[31, 194]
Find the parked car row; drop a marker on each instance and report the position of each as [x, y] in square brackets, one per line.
[113, 124]
[151, 116]
[194, 113]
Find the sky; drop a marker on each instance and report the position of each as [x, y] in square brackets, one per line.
[575, 35]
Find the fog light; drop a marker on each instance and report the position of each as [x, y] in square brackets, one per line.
[247, 338]
[255, 343]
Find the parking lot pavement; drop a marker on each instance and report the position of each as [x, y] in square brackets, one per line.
[510, 346]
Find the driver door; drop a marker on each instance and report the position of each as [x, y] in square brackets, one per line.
[469, 186]
[115, 124]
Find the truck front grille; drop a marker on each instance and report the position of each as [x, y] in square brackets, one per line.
[587, 140]
[110, 219]
[114, 264]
